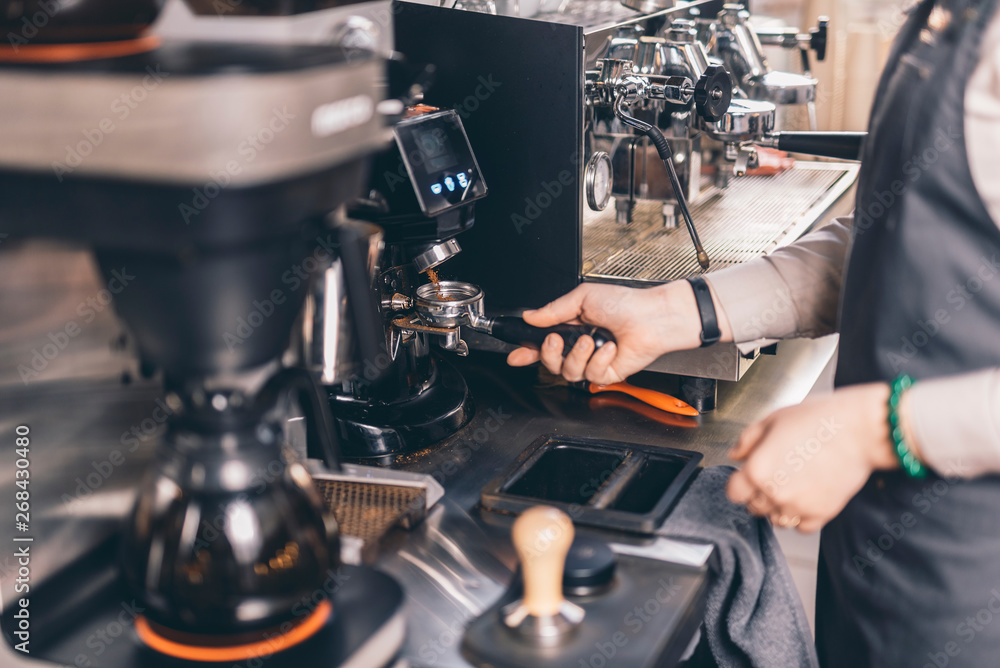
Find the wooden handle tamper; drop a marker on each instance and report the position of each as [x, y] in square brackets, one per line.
[542, 537]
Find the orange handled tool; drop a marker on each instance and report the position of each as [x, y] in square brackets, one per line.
[664, 402]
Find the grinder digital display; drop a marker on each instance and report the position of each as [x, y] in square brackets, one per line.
[440, 161]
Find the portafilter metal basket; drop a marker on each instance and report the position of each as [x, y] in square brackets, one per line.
[452, 304]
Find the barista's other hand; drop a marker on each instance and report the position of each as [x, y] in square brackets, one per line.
[802, 464]
[646, 323]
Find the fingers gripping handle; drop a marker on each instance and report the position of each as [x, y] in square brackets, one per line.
[516, 330]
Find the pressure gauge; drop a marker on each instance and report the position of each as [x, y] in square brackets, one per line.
[597, 180]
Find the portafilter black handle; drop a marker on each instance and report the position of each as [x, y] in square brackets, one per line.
[838, 145]
[515, 330]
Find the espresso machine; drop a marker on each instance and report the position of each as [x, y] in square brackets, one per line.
[722, 143]
[577, 101]
[206, 168]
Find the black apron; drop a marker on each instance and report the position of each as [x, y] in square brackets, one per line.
[909, 571]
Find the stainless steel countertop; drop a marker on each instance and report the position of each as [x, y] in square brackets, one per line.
[459, 561]
[453, 565]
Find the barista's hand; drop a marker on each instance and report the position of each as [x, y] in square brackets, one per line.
[804, 463]
[646, 323]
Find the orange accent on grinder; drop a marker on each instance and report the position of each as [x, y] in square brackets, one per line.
[71, 53]
[244, 652]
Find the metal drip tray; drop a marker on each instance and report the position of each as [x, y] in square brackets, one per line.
[753, 217]
[367, 511]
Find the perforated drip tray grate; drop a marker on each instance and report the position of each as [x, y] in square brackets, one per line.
[752, 217]
[367, 511]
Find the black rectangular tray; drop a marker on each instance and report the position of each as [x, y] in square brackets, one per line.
[608, 484]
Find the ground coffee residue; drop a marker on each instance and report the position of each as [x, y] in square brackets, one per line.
[436, 280]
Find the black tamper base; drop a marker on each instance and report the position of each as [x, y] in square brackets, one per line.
[590, 567]
[647, 618]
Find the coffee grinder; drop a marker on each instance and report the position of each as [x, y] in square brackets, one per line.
[422, 194]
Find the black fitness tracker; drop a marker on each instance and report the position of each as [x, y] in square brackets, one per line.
[709, 321]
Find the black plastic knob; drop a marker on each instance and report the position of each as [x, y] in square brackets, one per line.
[713, 93]
[590, 567]
[817, 37]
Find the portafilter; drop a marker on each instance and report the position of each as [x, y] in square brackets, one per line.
[453, 304]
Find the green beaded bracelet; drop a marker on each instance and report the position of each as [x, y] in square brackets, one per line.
[913, 466]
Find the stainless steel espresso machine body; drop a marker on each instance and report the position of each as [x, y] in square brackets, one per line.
[557, 150]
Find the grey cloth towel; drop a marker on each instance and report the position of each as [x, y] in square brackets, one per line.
[754, 616]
